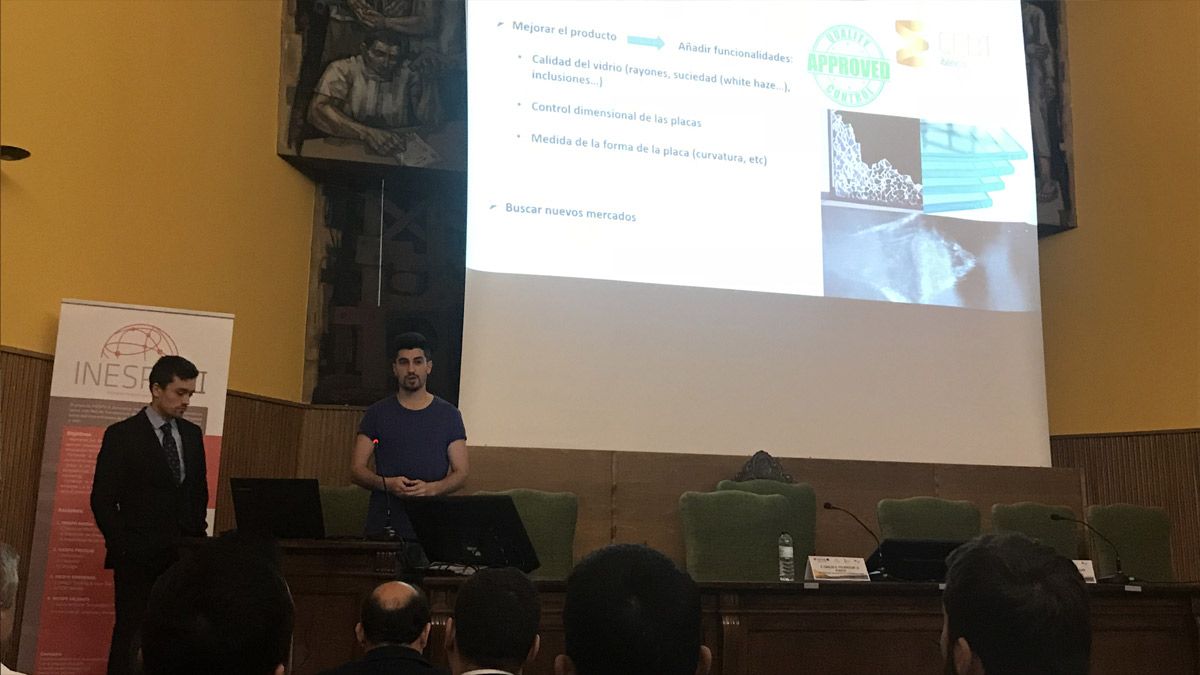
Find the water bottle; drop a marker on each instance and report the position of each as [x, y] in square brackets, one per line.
[787, 564]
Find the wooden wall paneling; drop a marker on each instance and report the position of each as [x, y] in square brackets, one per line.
[24, 402]
[988, 485]
[646, 488]
[587, 473]
[1151, 469]
[261, 440]
[326, 438]
[856, 486]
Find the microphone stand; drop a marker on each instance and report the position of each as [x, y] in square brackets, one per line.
[404, 562]
[1117, 577]
[389, 532]
[881, 573]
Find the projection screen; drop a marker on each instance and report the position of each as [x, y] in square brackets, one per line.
[721, 227]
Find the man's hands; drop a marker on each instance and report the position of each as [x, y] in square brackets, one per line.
[402, 486]
[382, 141]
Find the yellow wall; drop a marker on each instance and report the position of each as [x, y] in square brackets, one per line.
[154, 178]
[1121, 295]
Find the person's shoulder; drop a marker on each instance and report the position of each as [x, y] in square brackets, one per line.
[129, 424]
[385, 403]
[187, 426]
[443, 405]
[343, 66]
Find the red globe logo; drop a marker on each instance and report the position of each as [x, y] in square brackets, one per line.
[139, 339]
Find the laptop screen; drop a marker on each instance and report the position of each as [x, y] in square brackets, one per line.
[475, 531]
[285, 508]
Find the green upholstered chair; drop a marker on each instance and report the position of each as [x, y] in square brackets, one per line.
[344, 510]
[803, 507]
[1141, 533]
[1033, 520]
[927, 518]
[549, 520]
[733, 535]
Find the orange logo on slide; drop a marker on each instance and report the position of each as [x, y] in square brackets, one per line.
[139, 339]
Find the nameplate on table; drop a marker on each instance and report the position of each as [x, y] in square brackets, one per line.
[1086, 570]
[832, 568]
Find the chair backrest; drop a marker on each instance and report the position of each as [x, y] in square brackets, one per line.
[1033, 520]
[1142, 535]
[549, 519]
[927, 518]
[344, 510]
[802, 502]
[733, 535]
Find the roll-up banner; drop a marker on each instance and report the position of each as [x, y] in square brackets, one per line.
[101, 364]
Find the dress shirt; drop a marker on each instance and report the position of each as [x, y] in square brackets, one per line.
[157, 421]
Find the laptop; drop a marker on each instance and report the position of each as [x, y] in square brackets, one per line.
[284, 508]
[911, 559]
[475, 531]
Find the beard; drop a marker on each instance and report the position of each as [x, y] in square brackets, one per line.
[411, 383]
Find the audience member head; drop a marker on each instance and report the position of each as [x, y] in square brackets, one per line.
[631, 611]
[395, 613]
[495, 624]
[222, 609]
[1012, 606]
[9, 562]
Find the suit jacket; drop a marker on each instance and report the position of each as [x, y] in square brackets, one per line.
[388, 660]
[137, 505]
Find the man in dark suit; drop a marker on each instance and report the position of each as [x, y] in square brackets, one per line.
[150, 489]
[393, 631]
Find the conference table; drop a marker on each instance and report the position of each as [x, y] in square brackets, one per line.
[751, 628]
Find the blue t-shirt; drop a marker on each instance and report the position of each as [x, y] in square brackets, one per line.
[412, 443]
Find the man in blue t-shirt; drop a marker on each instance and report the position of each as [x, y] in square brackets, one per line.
[412, 444]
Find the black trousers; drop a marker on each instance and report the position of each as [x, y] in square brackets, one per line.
[131, 590]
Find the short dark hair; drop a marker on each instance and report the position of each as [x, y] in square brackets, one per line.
[170, 367]
[387, 37]
[223, 608]
[1021, 607]
[394, 625]
[411, 340]
[631, 611]
[496, 617]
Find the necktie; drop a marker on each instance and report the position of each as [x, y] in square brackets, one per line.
[172, 452]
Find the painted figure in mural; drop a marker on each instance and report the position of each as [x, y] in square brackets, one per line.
[380, 96]
[1043, 88]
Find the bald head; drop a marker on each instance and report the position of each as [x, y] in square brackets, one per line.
[395, 613]
[394, 594]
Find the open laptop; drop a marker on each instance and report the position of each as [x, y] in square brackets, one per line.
[911, 559]
[284, 508]
[475, 531]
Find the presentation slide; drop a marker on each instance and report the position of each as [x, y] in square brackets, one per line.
[814, 148]
[818, 161]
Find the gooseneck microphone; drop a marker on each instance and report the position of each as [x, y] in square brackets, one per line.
[1117, 577]
[389, 532]
[871, 532]
[880, 573]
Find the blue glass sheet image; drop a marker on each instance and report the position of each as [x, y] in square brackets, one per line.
[962, 165]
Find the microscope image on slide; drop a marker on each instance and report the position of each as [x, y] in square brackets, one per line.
[880, 237]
